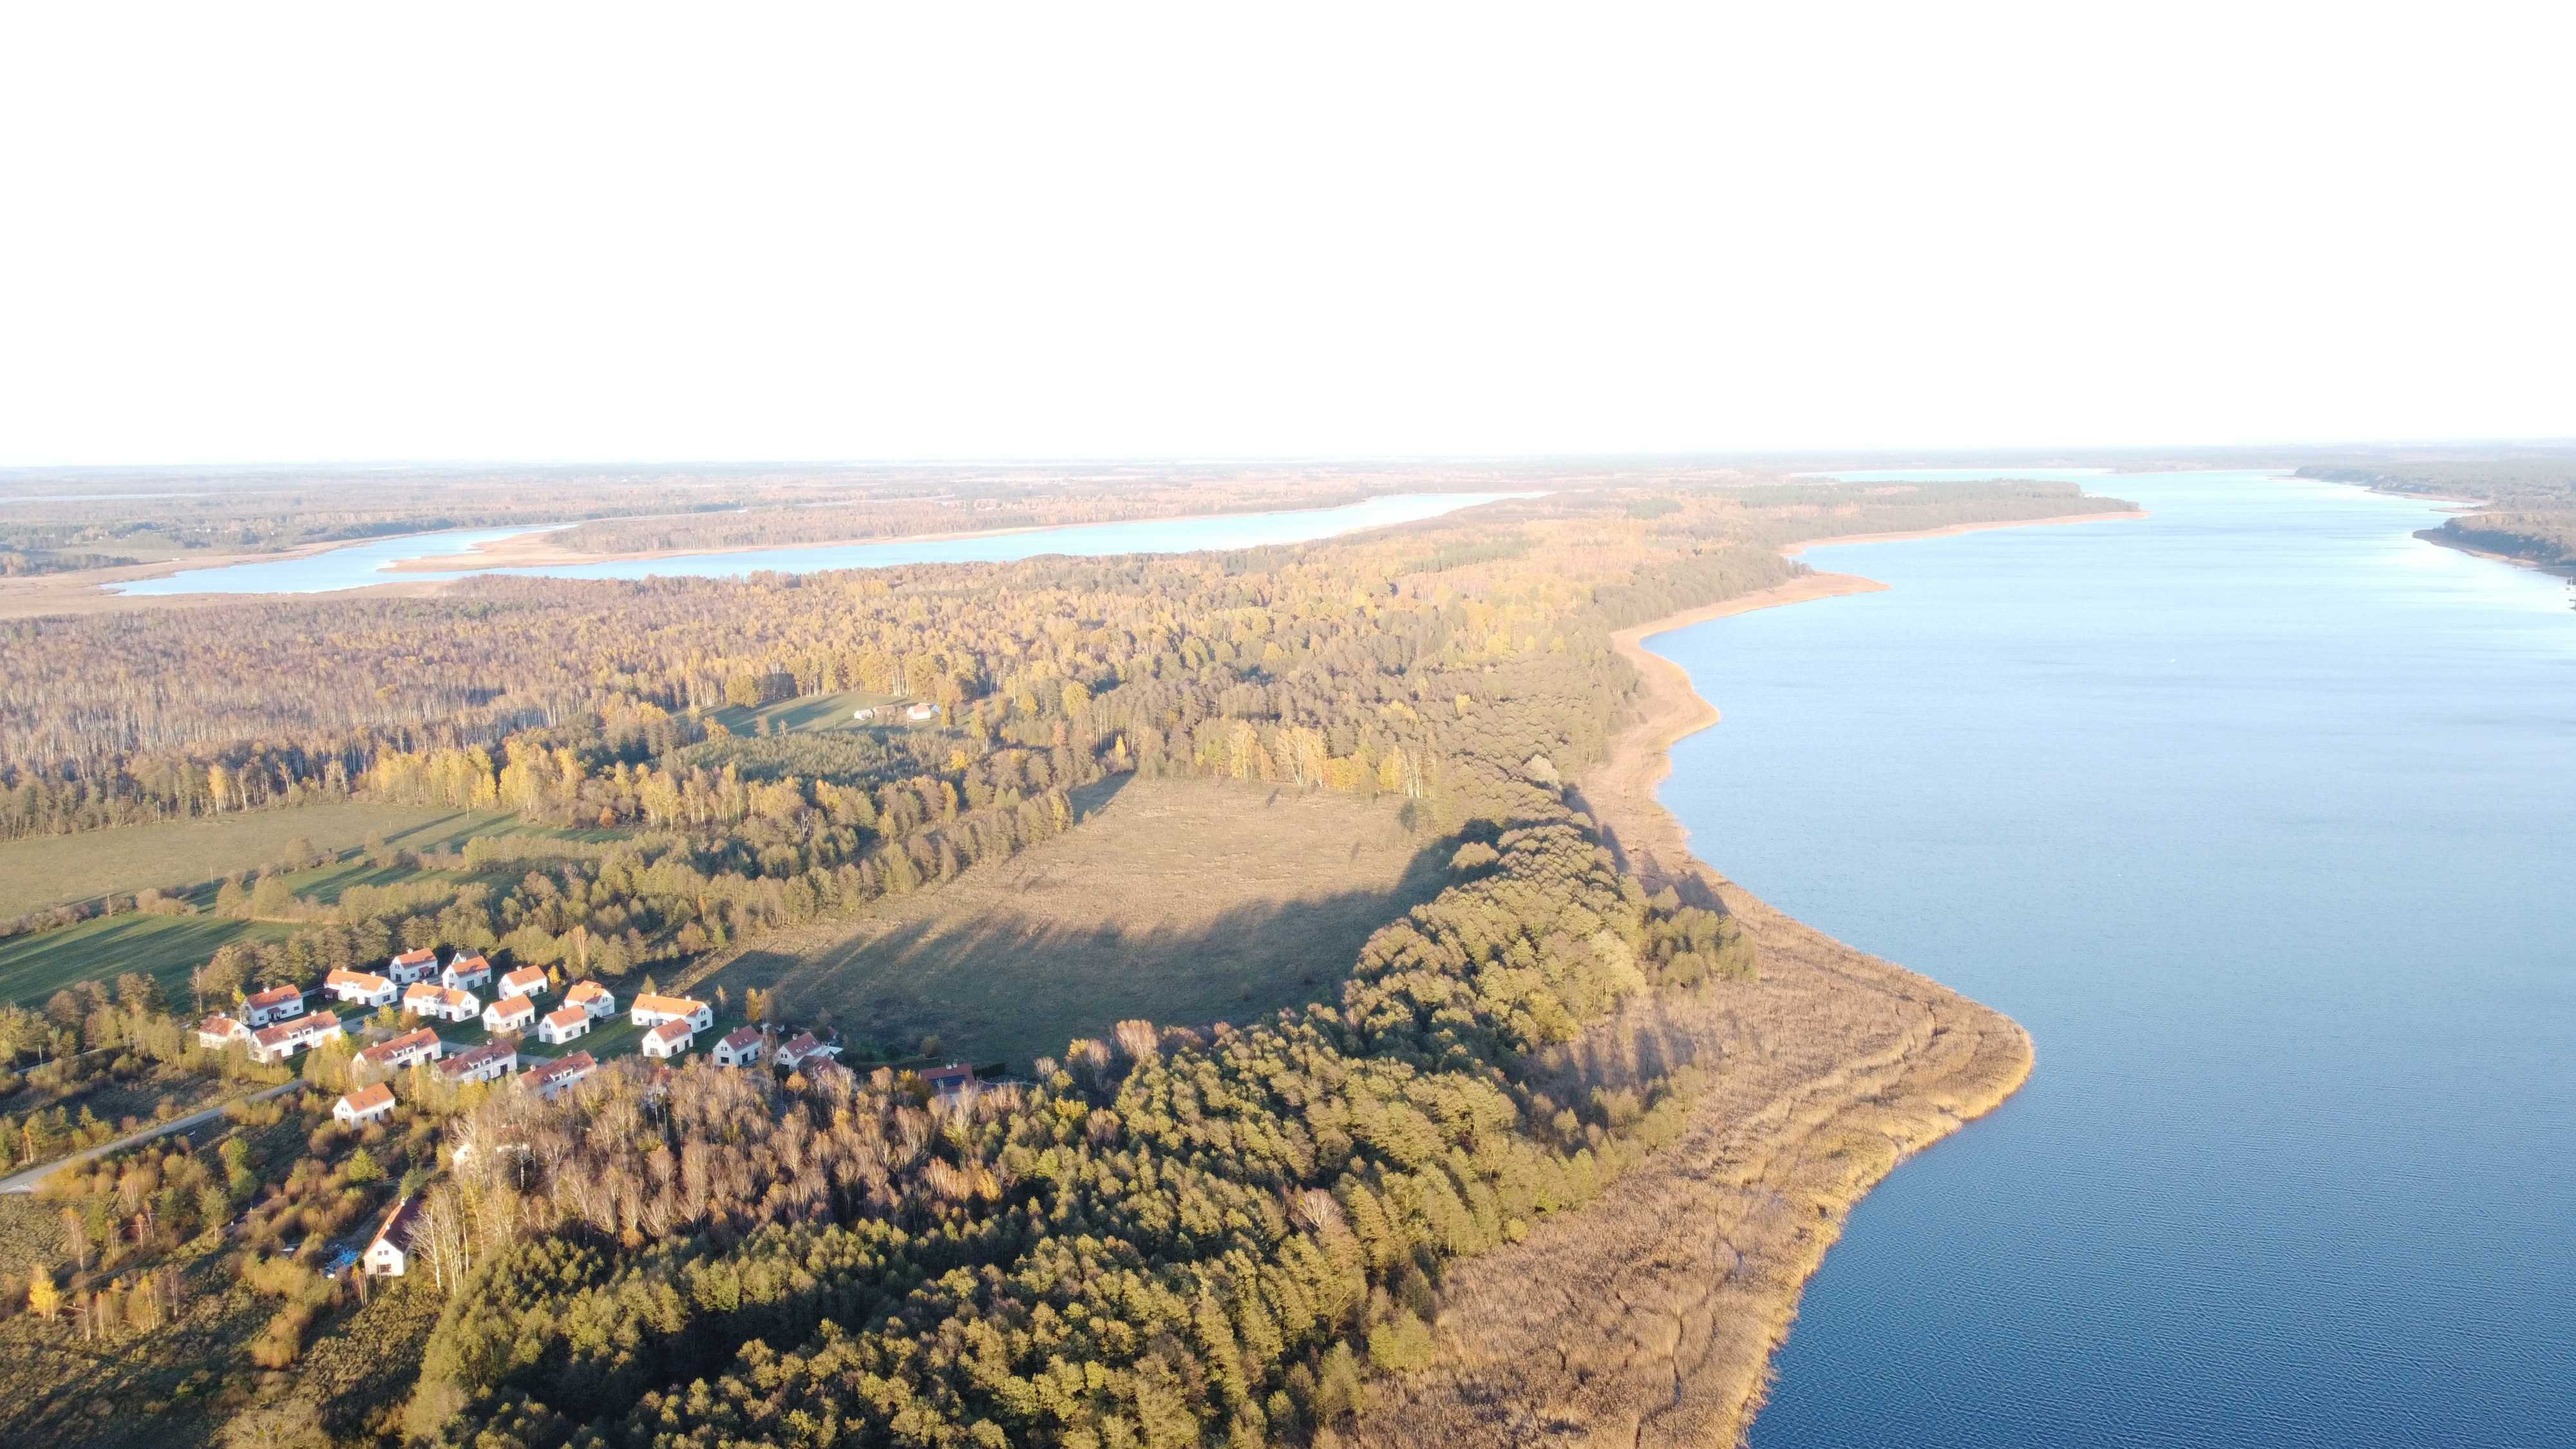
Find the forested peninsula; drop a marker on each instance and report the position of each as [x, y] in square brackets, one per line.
[2528, 510]
[1556, 1151]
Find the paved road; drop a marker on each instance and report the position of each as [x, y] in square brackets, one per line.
[26, 1181]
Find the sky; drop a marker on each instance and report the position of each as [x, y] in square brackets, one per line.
[266, 233]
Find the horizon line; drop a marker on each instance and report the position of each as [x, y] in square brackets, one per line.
[2018, 451]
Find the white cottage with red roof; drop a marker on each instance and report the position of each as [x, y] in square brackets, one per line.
[303, 1033]
[740, 1048]
[275, 1004]
[510, 1013]
[654, 1010]
[465, 971]
[489, 1062]
[559, 1075]
[367, 1104]
[407, 1050]
[388, 1255]
[802, 1048]
[361, 988]
[668, 1039]
[428, 998]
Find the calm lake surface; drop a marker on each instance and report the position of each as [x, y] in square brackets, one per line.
[2257, 812]
[360, 565]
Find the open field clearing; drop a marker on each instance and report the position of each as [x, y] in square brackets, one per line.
[1180, 901]
[48, 870]
[168, 948]
[802, 714]
[165, 948]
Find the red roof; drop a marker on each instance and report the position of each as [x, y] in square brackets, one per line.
[572, 1065]
[396, 1228]
[321, 1025]
[409, 1041]
[369, 1098]
[275, 994]
[459, 1065]
[567, 1016]
[671, 1031]
[743, 1038]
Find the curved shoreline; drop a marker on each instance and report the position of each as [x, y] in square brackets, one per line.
[1652, 1316]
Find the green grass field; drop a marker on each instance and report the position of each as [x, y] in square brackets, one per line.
[801, 714]
[1178, 901]
[49, 870]
[168, 948]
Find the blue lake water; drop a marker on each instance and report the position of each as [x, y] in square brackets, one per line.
[2260, 814]
[360, 565]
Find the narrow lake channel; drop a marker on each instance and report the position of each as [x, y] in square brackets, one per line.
[362, 564]
[2259, 813]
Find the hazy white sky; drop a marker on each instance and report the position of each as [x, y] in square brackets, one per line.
[250, 232]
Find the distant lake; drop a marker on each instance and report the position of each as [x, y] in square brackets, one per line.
[2260, 814]
[362, 564]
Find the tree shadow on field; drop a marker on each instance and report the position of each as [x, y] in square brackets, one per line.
[1009, 985]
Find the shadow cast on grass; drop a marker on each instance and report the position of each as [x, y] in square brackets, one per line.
[1012, 986]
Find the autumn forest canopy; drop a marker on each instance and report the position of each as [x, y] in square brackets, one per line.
[1176, 1233]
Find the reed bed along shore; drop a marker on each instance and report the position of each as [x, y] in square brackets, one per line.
[1651, 1317]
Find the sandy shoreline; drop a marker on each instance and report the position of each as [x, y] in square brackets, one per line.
[531, 550]
[87, 590]
[1651, 1317]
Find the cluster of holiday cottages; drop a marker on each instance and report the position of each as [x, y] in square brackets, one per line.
[275, 1026]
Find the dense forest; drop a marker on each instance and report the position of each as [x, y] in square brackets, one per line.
[115, 718]
[1189, 1233]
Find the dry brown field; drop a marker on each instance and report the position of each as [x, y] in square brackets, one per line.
[1180, 901]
